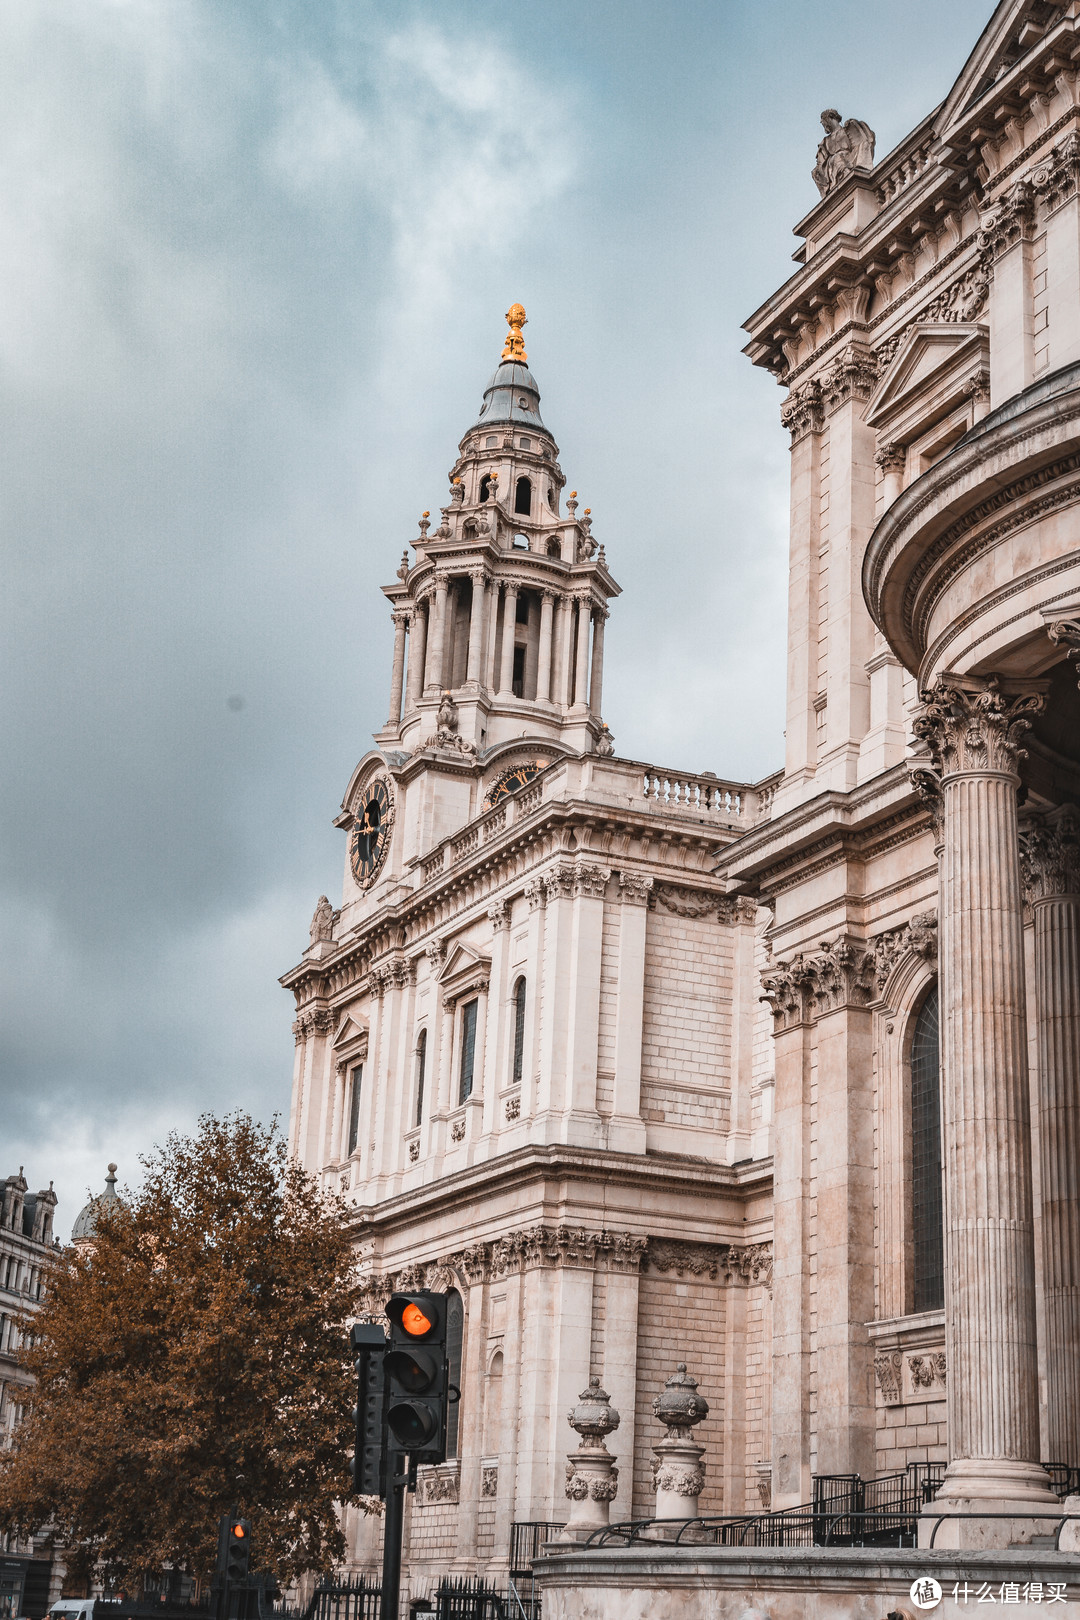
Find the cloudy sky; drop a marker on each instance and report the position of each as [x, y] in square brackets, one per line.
[254, 257]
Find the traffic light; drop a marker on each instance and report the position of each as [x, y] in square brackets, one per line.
[368, 1345]
[237, 1550]
[417, 1375]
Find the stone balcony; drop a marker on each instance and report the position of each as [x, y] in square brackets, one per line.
[969, 566]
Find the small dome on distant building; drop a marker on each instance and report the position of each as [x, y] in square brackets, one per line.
[86, 1221]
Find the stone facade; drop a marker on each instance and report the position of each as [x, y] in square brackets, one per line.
[698, 1058]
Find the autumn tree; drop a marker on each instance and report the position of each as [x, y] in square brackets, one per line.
[195, 1359]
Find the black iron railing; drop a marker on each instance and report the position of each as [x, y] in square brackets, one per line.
[527, 1537]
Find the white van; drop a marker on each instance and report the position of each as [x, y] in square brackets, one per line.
[73, 1609]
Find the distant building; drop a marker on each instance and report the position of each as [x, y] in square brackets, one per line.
[26, 1241]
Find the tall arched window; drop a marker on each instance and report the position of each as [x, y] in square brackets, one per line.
[928, 1249]
[485, 487]
[421, 1065]
[355, 1079]
[455, 1333]
[468, 1050]
[519, 1029]
[523, 497]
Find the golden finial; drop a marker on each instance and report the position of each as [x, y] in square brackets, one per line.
[514, 347]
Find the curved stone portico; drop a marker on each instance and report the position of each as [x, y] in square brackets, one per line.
[963, 570]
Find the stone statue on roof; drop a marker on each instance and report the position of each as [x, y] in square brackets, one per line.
[843, 147]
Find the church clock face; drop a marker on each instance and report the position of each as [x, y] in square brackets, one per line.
[370, 837]
[517, 776]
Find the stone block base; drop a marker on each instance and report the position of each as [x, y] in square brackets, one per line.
[661, 1582]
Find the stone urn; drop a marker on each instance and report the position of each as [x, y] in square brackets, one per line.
[592, 1479]
[678, 1472]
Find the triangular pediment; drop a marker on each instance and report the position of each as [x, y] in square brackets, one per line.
[1015, 28]
[349, 1033]
[928, 374]
[462, 963]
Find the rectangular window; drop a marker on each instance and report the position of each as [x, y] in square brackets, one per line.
[355, 1078]
[468, 1048]
[518, 681]
[421, 1065]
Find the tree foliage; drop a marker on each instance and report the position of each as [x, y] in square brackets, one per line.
[195, 1360]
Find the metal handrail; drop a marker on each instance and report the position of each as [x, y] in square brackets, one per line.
[632, 1529]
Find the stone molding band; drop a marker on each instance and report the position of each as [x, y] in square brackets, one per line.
[550, 1247]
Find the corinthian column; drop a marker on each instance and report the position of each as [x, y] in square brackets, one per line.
[476, 625]
[1050, 856]
[401, 618]
[543, 678]
[506, 674]
[438, 636]
[417, 649]
[974, 733]
[581, 665]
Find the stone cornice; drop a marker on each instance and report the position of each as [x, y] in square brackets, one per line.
[668, 1175]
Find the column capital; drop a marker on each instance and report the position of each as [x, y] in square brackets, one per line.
[401, 615]
[1050, 854]
[634, 888]
[1066, 633]
[891, 457]
[971, 725]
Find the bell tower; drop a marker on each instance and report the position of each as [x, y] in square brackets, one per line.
[499, 616]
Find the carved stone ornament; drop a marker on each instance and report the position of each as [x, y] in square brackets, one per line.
[802, 411]
[720, 1262]
[634, 888]
[852, 376]
[590, 882]
[513, 1108]
[322, 922]
[559, 882]
[499, 914]
[435, 951]
[414, 1152]
[691, 903]
[457, 1131]
[1050, 854]
[313, 1021]
[605, 743]
[440, 1482]
[891, 457]
[680, 1406]
[842, 974]
[683, 1481]
[844, 147]
[535, 893]
[919, 936]
[888, 1366]
[489, 1481]
[594, 1417]
[974, 726]
[1007, 221]
[1066, 633]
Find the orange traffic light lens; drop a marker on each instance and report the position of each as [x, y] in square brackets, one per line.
[414, 1321]
[239, 1532]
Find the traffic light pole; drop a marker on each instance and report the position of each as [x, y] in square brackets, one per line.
[396, 1481]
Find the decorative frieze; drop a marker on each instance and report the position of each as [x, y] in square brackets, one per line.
[686, 902]
[438, 1482]
[903, 1376]
[720, 1262]
[888, 1372]
[975, 726]
[1050, 854]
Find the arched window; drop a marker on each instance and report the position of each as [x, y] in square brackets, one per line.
[485, 487]
[468, 1050]
[928, 1250]
[455, 1332]
[554, 549]
[519, 1029]
[493, 1406]
[421, 1065]
[355, 1079]
[523, 496]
